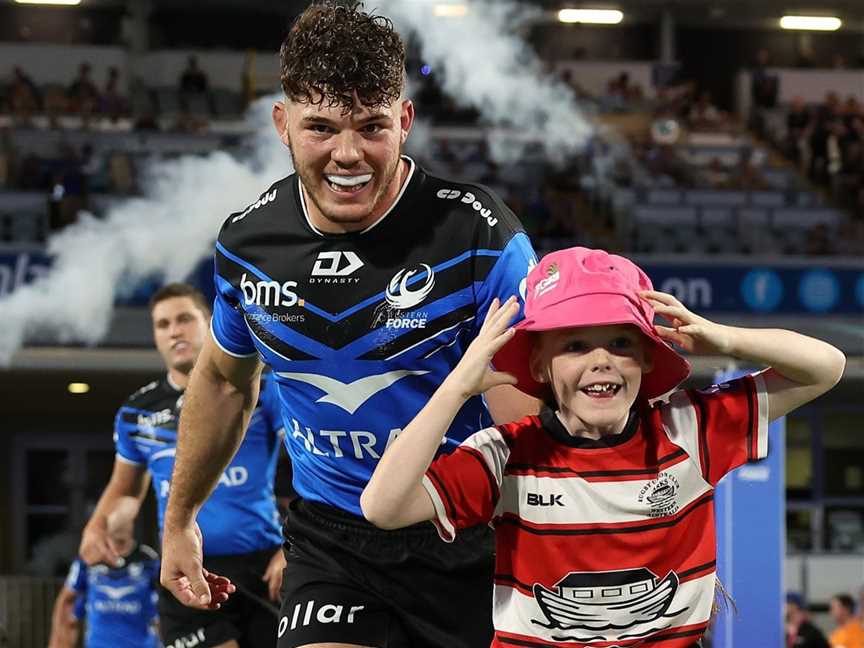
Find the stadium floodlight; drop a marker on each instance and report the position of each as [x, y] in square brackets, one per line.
[814, 23]
[450, 10]
[68, 3]
[78, 388]
[591, 16]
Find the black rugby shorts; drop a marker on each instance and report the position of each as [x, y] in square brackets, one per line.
[242, 617]
[349, 582]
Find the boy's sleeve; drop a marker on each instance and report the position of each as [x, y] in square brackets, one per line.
[125, 424]
[723, 427]
[465, 485]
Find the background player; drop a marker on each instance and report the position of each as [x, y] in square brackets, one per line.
[361, 280]
[603, 508]
[117, 604]
[240, 519]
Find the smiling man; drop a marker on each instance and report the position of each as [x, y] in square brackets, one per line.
[240, 519]
[360, 279]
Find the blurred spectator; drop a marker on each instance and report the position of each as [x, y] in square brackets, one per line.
[68, 192]
[839, 62]
[146, 122]
[819, 244]
[704, 114]
[763, 85]
[193, 80]
[800, 631]
[715, 175]
[797, 132]
[748, 178]
[7, 159]
[620, 88]
[83, 95]
[23, 97]
[112, 104]
[190, 123]
[849, 632]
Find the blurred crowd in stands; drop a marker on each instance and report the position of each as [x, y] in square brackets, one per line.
[189, 105]
[588, 201]
[826, 141]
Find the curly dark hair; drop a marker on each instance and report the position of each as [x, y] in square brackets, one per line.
[335, 49]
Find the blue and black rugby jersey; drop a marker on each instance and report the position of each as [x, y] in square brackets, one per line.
[118, 604]
[240, 516]
[361, 328]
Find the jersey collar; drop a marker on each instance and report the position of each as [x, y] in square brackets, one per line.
[405, 184]
[555, 428]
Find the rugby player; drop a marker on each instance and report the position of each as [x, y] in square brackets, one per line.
[240, 520]
[117, 604]
[360, 279]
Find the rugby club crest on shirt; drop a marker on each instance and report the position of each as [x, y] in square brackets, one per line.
[661, 495]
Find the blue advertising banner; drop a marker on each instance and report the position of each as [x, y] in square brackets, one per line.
[722, 287]
[750, 505]
[786, 289]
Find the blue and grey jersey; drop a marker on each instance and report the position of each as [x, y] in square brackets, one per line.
[117, 604]
[241, 515]
[361, 328]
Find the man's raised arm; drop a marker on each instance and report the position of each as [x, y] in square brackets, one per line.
[217, 405]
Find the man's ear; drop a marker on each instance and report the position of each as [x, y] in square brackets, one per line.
[406, 119]
[280, 121]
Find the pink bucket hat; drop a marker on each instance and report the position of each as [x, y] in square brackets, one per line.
[583, 287]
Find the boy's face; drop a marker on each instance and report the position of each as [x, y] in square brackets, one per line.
[595, 372]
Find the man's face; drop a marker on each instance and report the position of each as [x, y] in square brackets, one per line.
[838, 612]
[179, 327]
[348, 162]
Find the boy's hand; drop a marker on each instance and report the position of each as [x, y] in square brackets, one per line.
[473, 375]
[689, 331]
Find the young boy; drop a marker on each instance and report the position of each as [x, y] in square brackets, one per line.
[603, 506]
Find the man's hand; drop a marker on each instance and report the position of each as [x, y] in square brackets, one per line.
[273, 574]
[97, 547]
[183, 572]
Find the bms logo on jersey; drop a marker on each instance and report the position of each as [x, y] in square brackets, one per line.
[148, 423]
[269, 293]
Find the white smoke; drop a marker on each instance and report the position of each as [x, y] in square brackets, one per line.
[482, 62]
[167, 231]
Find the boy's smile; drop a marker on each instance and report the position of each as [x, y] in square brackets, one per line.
[595, 373]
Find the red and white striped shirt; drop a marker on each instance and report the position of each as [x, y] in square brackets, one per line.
[604, 543]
